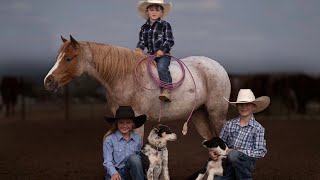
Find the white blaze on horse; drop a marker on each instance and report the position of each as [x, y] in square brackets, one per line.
[114, 67]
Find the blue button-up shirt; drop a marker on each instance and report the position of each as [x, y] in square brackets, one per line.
[248, 139]
[157, 36]
[116, 150]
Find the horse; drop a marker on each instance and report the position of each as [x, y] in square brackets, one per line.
[9, 92]
[116, 69]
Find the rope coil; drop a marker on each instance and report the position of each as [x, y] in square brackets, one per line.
[166, 85]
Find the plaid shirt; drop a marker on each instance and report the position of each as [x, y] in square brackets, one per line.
[248, 139]
[156, 37]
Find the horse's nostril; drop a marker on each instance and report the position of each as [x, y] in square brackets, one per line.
[48, 80]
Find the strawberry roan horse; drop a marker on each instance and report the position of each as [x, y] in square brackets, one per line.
[114, 67]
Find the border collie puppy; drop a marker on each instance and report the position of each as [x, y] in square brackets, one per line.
[213, 168]
[155, 152]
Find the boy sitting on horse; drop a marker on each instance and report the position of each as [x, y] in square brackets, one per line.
[156, 36]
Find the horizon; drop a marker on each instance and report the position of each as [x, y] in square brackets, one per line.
[243, 36]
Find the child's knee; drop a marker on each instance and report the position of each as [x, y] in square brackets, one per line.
[233, 155]
[134, 159]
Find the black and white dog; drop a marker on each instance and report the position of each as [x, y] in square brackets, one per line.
[213, 168]
[155, 152]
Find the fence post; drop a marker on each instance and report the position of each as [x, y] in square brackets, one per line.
[66, 103]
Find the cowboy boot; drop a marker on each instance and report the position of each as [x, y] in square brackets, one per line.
[165, 95]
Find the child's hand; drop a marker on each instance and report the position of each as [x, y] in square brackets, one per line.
[159, 53]
[139, 50]
[116, 176]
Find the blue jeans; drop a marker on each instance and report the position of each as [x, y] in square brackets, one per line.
[239, 167]
[163, 68]
[133, 169]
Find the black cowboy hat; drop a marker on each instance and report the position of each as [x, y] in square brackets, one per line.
[126, 112]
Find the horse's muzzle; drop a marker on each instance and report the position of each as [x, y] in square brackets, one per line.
[50, 84]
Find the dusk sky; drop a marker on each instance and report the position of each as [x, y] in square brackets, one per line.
[242, 35]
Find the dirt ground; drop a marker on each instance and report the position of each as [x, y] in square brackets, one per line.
[45, 146]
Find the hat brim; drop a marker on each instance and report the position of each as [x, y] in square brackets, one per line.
[138, 121]
[261, 103]
[142, 7]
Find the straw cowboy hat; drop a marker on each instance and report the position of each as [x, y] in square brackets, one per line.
[247, 96]
[126, 112]
[142, 7]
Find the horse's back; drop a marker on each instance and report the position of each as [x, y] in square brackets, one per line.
[206, 64]
[206, 70]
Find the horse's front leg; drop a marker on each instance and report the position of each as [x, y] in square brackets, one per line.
[165, 164]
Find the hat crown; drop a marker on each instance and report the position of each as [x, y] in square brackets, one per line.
[142, 7]
[245, 95]
[155, 1]
[124, 112]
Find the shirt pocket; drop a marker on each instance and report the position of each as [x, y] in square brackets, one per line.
[159, 38]
[134, 149]
[119, 152]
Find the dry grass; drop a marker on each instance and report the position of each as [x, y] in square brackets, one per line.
[46, 146]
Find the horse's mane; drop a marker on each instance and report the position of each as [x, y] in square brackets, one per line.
[113, 62]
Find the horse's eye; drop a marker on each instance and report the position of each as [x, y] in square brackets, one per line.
[68, 59]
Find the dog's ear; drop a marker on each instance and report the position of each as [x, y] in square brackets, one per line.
[159, 126]
[205, 143]
[156, 128]
[222, 144]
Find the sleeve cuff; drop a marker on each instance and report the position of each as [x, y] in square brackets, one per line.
[140, 46]
[112, 171]
[164, 49]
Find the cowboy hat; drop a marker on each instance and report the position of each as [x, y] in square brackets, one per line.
[142, 7]
[126, 112]
[247, 96]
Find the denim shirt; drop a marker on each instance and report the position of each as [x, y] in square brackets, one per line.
[116, 150]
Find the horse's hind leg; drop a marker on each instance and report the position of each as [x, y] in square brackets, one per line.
[217, 113]
[201, 122]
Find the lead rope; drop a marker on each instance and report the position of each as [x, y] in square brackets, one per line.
[170, 86]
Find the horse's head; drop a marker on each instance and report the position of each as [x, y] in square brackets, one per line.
[68, 65]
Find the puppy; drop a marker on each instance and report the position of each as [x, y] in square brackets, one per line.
[155, 152]
[213, 168]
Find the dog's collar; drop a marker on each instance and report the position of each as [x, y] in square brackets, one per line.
[156, 147]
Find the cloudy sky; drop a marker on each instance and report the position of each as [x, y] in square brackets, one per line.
[242, 35]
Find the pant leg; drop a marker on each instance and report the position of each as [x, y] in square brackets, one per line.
[242, 164]
[229, 173]
[163, 68]
[134, 167]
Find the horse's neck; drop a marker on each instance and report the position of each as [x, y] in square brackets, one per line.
[113, 63]
[114, 67]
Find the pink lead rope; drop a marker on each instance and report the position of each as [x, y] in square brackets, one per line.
[169, 85]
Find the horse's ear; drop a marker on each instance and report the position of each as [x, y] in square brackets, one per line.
[74, 43]
[63, 39]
